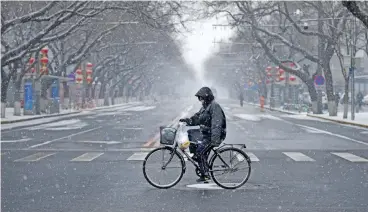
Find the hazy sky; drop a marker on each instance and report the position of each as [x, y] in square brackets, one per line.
[199, 44]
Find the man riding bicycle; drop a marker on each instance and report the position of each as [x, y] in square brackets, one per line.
[212, 122]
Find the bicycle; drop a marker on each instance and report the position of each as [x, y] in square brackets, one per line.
[168, 137]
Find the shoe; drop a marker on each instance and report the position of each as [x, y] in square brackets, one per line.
[203, 179]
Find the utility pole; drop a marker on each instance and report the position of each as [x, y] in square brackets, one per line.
[352, 70]
[319, 68]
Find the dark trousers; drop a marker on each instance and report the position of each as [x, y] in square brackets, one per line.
[203, 151]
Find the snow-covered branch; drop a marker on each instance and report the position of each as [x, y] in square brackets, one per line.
[23, 19]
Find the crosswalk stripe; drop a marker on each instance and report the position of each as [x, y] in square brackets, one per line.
[350, 157]
[298, 156]
[35, 157]
[253, 157]
[138, 156]
[87, 156]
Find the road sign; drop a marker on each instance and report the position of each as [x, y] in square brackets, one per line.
[71, 76]
[319, 80]
[28, 96]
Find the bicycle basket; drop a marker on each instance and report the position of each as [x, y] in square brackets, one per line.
[167, 135]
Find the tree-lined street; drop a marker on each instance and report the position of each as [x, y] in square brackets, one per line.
[86, 86]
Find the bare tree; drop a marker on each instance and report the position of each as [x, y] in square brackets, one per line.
[358, 9]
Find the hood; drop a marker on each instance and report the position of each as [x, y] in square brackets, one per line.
[205, 93]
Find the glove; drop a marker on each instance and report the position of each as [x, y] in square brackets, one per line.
[184, 120]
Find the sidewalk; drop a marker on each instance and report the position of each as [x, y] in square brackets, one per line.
[361, 119]
[10, 118]
[267, 107]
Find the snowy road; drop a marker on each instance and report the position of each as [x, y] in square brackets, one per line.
[93, 163]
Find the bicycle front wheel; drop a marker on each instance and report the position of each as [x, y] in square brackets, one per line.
[163, 167]
[230, 168]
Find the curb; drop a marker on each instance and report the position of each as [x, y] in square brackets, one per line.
[61, 114]
[38, 117]
[339, 121]
[273, 109]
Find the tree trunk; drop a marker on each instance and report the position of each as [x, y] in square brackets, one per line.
[102, 90]
[313, 94]
[4, 89]
[346, 99]
[332, 109]
[17, 97]
[107, 95]
[112, 95]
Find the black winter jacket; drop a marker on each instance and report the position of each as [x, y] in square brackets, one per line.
[211, 119]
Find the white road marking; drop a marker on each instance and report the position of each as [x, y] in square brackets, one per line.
[253, 157]
[100, 142]
[248, 117]
[14, 141]
[138, 156]
[132, 128]
[61, 125]
[333, 134]
[350, 157]
[209, 186]
[298, 156]
[268, 116]
[57, 139]
[87, 157]
[35, 157]
[140, 108]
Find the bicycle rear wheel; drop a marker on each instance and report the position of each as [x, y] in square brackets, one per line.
[168, 162]
[228, 162]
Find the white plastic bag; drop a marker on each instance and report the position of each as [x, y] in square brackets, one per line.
[183, 140]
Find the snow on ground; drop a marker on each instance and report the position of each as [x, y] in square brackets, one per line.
[46, 117]
[61, 125]
[268, 116]
[140, 108]
[303, 117]
[257, 117]
[360, 118]
[112, 108]
[9, 114]
[39, 121]
[248, 117]
[15, 141]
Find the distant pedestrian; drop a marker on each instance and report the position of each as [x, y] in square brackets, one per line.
[337, 99]
[241, 98]
[359, 100]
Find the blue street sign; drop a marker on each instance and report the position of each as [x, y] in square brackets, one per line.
[319, 80]
[71, 76]
[55, 90]
[28, 99]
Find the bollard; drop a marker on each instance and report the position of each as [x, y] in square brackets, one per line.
[262, 100]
